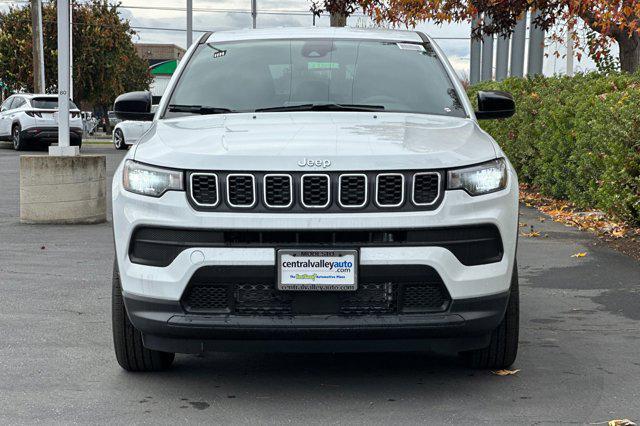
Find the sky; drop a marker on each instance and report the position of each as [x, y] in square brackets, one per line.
[170, 16]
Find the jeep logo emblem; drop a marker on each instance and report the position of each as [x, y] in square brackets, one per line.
[314, 163]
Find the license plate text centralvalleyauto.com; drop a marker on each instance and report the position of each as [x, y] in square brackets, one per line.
[334, 270]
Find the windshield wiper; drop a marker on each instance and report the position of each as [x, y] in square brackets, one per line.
[324, 107]
[199, 109]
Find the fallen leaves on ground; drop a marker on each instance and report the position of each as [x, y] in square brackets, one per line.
[531, 234]
[568, 214]
[583, 254]
[617, 422]
[621, 422]
[505, 372]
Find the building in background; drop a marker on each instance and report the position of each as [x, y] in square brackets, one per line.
[155, 53]
[163, 60]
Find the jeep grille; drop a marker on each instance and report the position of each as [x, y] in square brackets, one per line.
[307, 192]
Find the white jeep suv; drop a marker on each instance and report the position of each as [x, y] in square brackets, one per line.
[28, 119]
[315, 190]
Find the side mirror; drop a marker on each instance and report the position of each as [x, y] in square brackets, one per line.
[495, 104]
[134, 106]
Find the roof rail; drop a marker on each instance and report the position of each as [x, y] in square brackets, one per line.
[204, 37]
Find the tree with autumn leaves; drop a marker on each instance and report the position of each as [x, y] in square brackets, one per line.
[608, 20]
[105, 63]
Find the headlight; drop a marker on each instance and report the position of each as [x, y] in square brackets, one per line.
[149, 180]
[481, 179]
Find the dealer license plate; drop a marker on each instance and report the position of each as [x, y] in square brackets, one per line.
[317, 270]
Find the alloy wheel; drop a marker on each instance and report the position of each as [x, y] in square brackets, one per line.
[16, 137]
[118, 139]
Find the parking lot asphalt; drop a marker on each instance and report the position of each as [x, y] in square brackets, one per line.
[579, 356]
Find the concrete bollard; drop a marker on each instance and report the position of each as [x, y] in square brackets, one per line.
[56, 189]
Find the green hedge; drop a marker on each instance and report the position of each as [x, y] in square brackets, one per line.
[575, 138]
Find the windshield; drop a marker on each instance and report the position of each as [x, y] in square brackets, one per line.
[49, 103]
[342, 74]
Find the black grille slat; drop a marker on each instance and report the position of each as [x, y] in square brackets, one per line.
[353, 190]
[204, 189]
[207, 298]
[277, 190]
[423, 297]
[426, 188]
[382, 290]
[261, 299]
[371, 299]
[390, 190]
[241, 190]
[315, 190]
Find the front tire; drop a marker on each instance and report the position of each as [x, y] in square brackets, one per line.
[503, 349]
[118, 139]
[127, 340]
[16, 136]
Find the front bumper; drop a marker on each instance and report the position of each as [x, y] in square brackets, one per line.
[466, 325]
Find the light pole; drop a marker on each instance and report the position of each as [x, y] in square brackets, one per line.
[64, 147]
[254, 13]
[71, 49]
[189, 23]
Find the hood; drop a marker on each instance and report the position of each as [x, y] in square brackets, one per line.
[340, 140]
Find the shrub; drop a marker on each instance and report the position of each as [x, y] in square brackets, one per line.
[575, 138]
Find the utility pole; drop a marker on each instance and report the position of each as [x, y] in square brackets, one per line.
[38, 50]
[189, 23]
[254, 13]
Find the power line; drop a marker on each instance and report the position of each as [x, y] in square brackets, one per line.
[210, 10]
[222, 10]
[195, 9]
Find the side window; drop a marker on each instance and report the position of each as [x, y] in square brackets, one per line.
[17, 103]
[6, 105]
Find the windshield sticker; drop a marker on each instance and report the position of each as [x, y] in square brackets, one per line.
[323, 65]
[411, 46]
[218, 53]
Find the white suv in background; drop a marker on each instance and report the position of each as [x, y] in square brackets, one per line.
[315, 189]
[128, 132]
[32, 120]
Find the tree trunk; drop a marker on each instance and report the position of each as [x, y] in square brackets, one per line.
[338, 19]
[629, 52]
